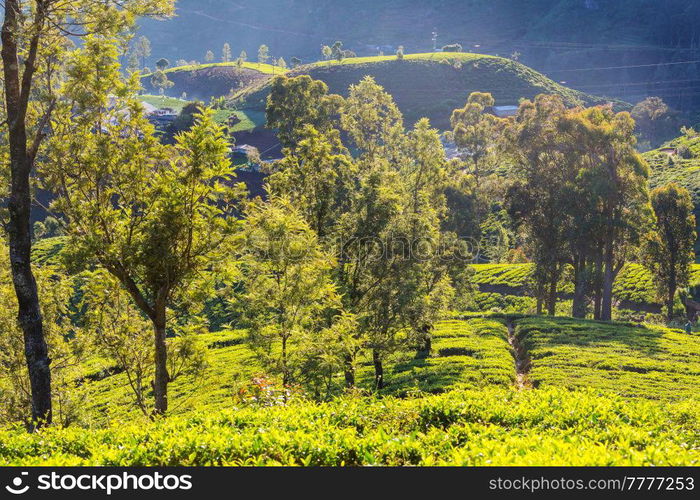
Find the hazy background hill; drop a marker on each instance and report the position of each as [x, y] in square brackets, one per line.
[624, 48]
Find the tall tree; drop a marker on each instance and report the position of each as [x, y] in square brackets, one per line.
[160, 81]
[296, 102]
[476, 132]
[263, 54]
[142, 47]
[372, 119]
[538, 200]
[226, 54]
[618, 177]
[668, 250]
[317, 179]
[153, 216]
[34, 35]
[288, 284]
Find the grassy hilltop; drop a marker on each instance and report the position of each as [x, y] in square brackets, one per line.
[213, 80]
[431, 85]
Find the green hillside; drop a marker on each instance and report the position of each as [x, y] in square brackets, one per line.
[640, 362]
[599, 46]
[505, 288]
[213, 80]
[431, 85]
[480, 420]
[679, 161]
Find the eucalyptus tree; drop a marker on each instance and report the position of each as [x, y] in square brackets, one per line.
[669, 247]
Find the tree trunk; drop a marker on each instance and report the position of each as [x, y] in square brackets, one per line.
[608, 280]
[378, 370]
[578, 309]
[19, 206]
[162, 378]
[349, 372]
[285, 371]
[552, 297]
[426, 344]
[672, 285]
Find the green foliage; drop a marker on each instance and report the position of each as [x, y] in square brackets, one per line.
[485, 427]
[68, 346]
[640, 362]
[289, 294]
[263, 54]
[466, 353]
[159, 80]
[668, 249]
[634, 284]
[667, 168]
[295, 103]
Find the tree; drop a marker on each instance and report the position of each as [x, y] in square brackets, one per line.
[337, 52]
[668, 249]
[281, 63]
[287, 282]
[153, 216]
[263, 54]
[317, 179]
[326, 52]
[142, 47]
[656, 121]
[209, 56]
[133, 64]
[296, 62]
[121, 335]
[476, 132]
[162, 64]
[160, 81]
[243, 57]
[389, 264]
[35, 34]
[299, 101]
[68, 346]
[371, 118]
[226, 54]
[538, 200]
[618, 177]
[582, 193]
[389, 270]
[455, 47]
[400, 53]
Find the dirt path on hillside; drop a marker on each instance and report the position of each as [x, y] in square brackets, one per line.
[522, 359]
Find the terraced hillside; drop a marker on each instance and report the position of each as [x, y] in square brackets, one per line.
[467, 353]
[611, 383]
[631, 361]
[679, 161]
[504, 288]
[431, 85]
